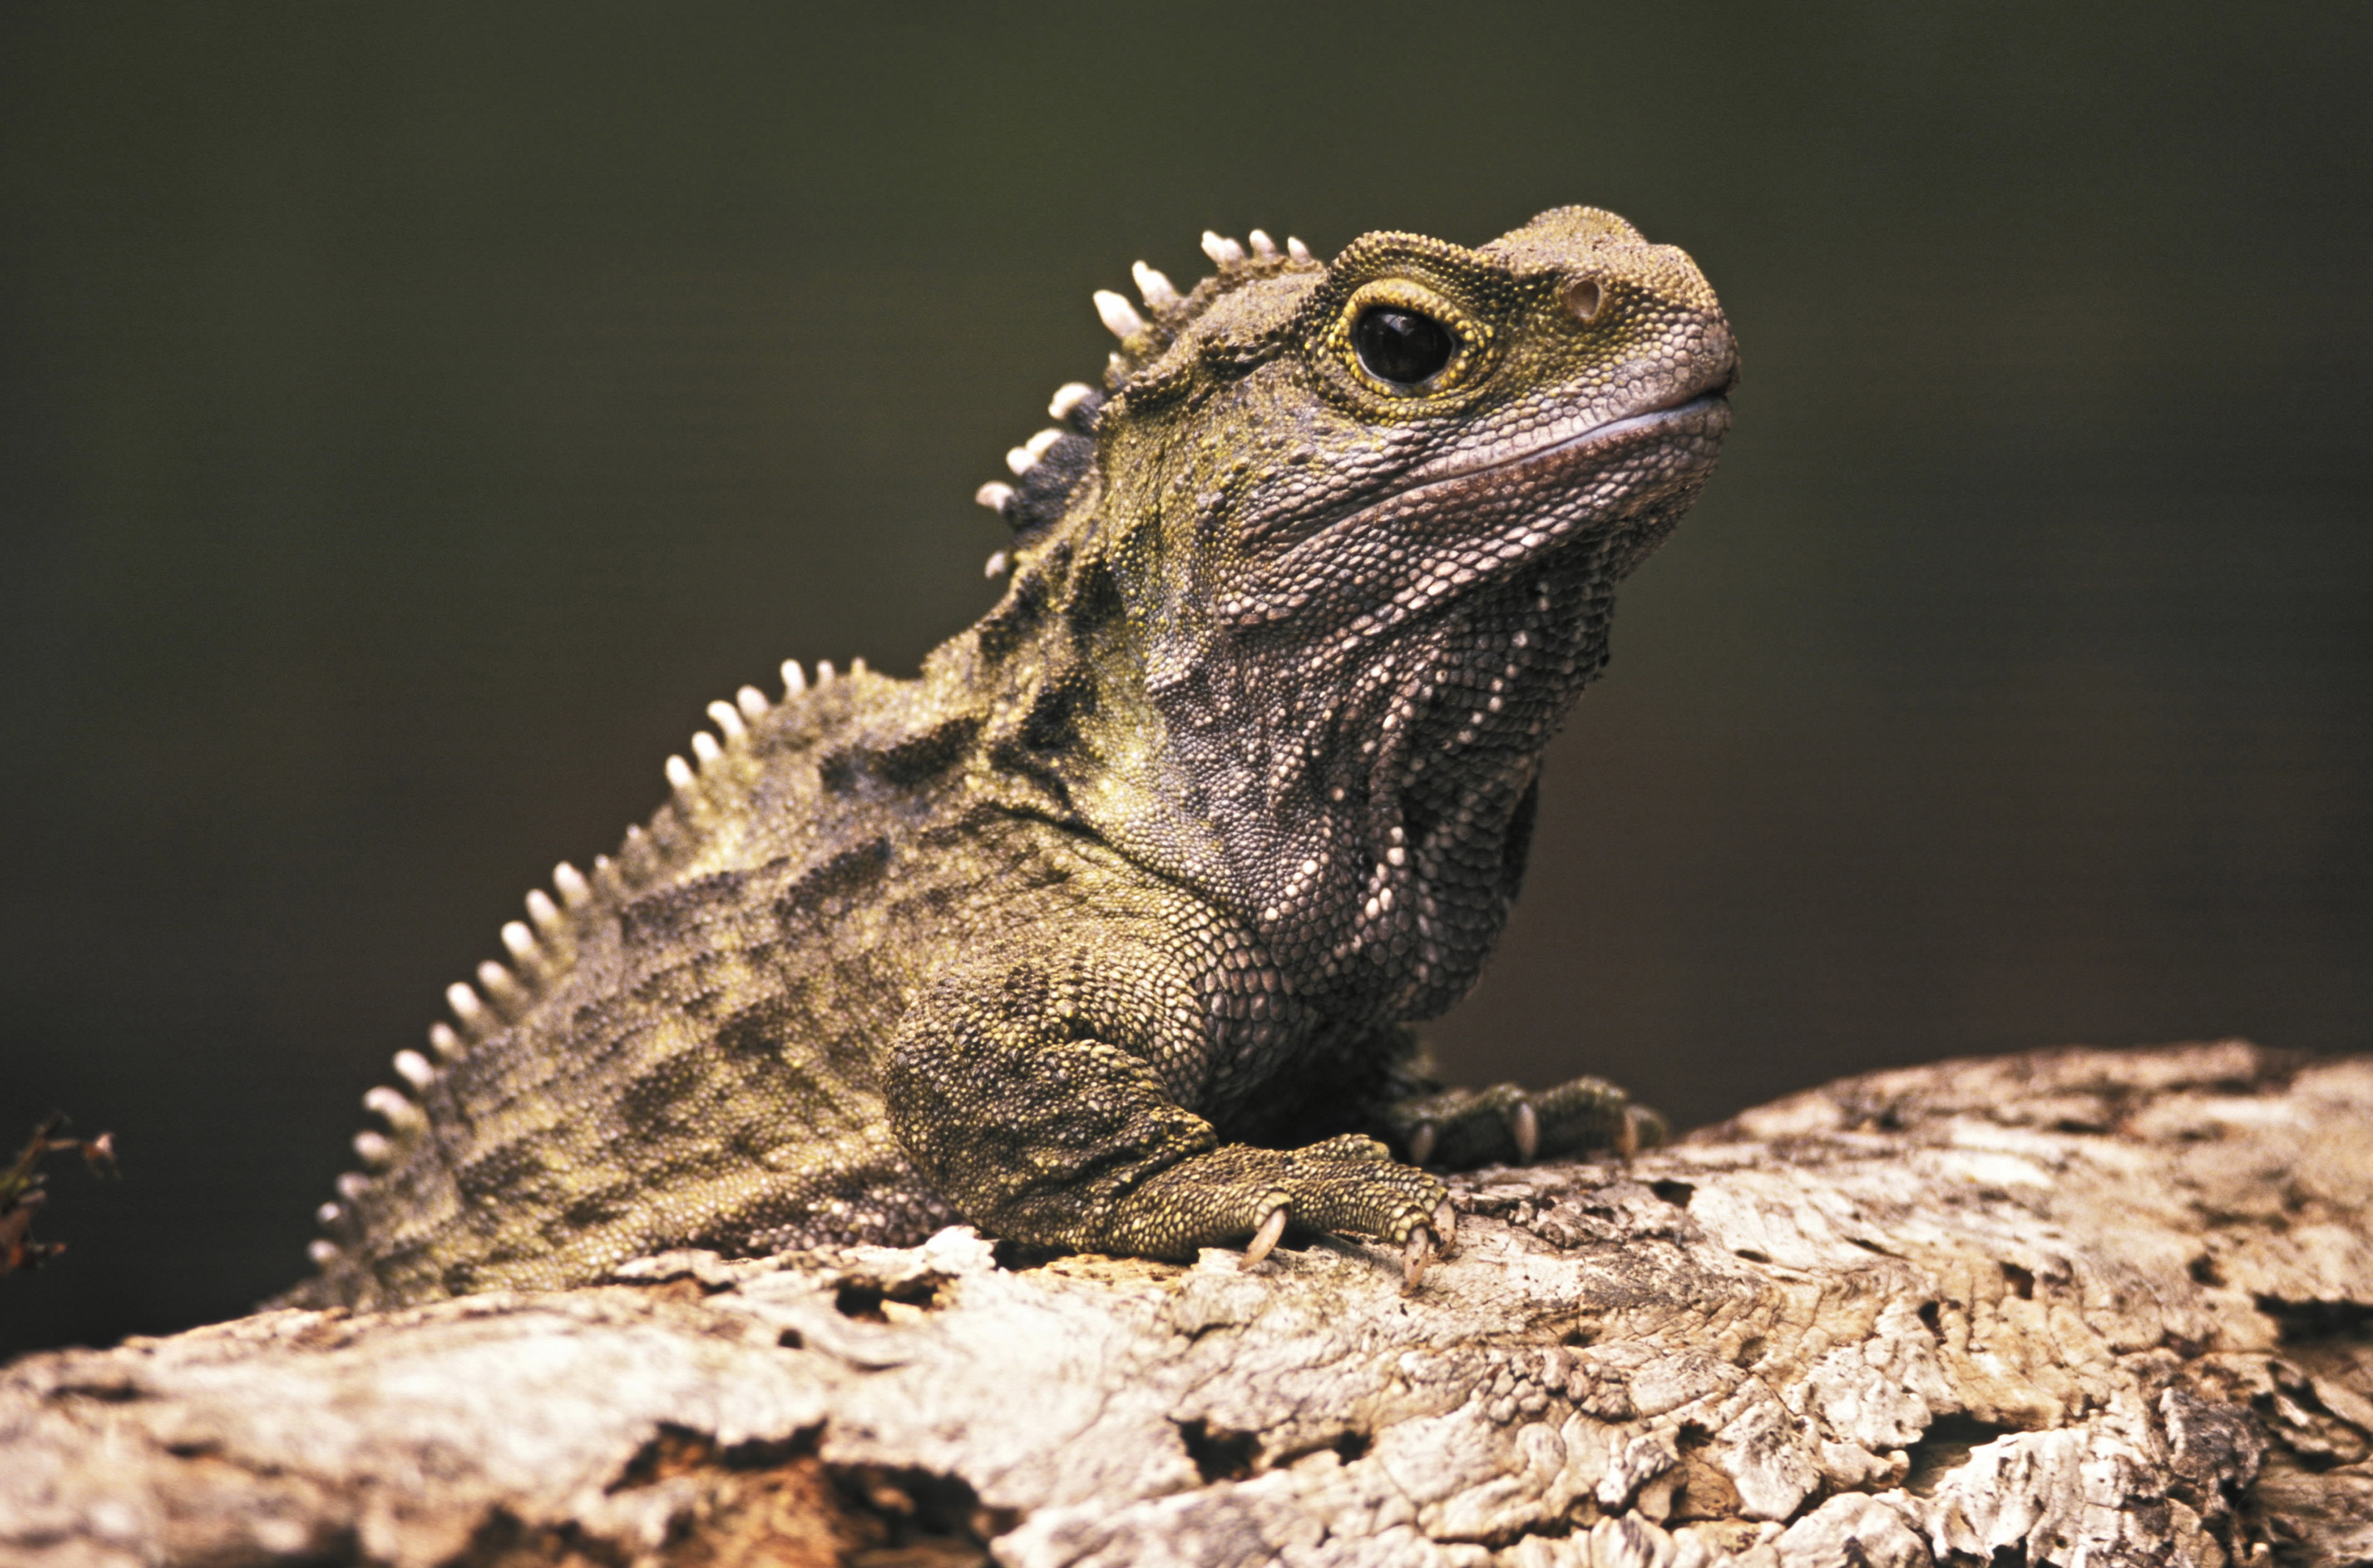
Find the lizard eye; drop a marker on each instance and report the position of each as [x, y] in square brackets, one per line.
[1401, 347]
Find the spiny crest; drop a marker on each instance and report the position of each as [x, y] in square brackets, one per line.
[542, 947]
[1045, 468]
[1143, 337]
[1048, 467]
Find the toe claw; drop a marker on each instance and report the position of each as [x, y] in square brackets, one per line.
[1418, 1252]
[1643, 1128]
[1267, 1236]
[1421, 1141]
[1524, 1126]
[1445, 1225]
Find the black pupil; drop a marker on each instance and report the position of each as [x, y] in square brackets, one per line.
[1401, 347]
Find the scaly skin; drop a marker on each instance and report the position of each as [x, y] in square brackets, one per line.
[1084, 934]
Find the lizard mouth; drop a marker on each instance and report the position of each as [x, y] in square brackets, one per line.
[1456, 528]
[1692, 403]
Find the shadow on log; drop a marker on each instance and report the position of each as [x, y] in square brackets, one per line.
[2076, 1307]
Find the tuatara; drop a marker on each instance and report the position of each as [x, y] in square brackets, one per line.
[1105, 932]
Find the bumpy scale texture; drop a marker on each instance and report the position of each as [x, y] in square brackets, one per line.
[1105, 932]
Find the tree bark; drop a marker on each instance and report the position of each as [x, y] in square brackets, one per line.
[2076, 1307]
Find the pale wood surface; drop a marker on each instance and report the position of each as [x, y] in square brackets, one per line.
[2075, 1306]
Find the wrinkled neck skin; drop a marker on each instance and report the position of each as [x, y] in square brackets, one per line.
[1356, 788]
[1378, 806]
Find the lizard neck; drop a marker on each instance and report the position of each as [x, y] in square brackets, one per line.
[1364, 808]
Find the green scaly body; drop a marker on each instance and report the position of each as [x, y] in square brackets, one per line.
[1086, 935]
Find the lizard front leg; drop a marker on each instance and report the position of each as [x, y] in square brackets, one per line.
[1024, 1087]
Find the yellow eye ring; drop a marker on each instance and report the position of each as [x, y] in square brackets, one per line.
[1402, 339]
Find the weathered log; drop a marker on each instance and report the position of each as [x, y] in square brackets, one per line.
[2078, 1307]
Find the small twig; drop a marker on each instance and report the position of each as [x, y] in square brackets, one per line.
[22, 1190]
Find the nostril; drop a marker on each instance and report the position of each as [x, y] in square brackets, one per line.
[1584, 296]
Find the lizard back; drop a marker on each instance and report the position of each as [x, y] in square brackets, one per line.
[1234, 780]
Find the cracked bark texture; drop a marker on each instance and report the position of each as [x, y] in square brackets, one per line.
[2076, 1307]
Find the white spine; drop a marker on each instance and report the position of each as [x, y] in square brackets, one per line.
[414, 1068]
[1263, 246]
[1119, 317]
[728, 720]
[374, 1150]
[468, 1010]
[1069, 396]
[501, 989]
[1224, 252]
[753, 703]
[795, 681]
[571, 884]
[994, 495]
[679, 774]
[543, 910]
[401, 1115]
[705, 749]
[1159, 292]
[1296, 249]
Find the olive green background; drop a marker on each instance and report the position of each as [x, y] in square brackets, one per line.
[409, 416]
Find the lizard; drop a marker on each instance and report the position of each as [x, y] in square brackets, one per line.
[1106, 933]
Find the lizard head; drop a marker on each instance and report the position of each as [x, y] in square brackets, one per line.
[1333, 552]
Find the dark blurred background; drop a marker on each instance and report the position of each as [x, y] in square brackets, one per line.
[409, 416]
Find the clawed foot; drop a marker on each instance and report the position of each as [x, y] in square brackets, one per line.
[1344, 1185]
[1426, 1243]
[1461, 1129]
